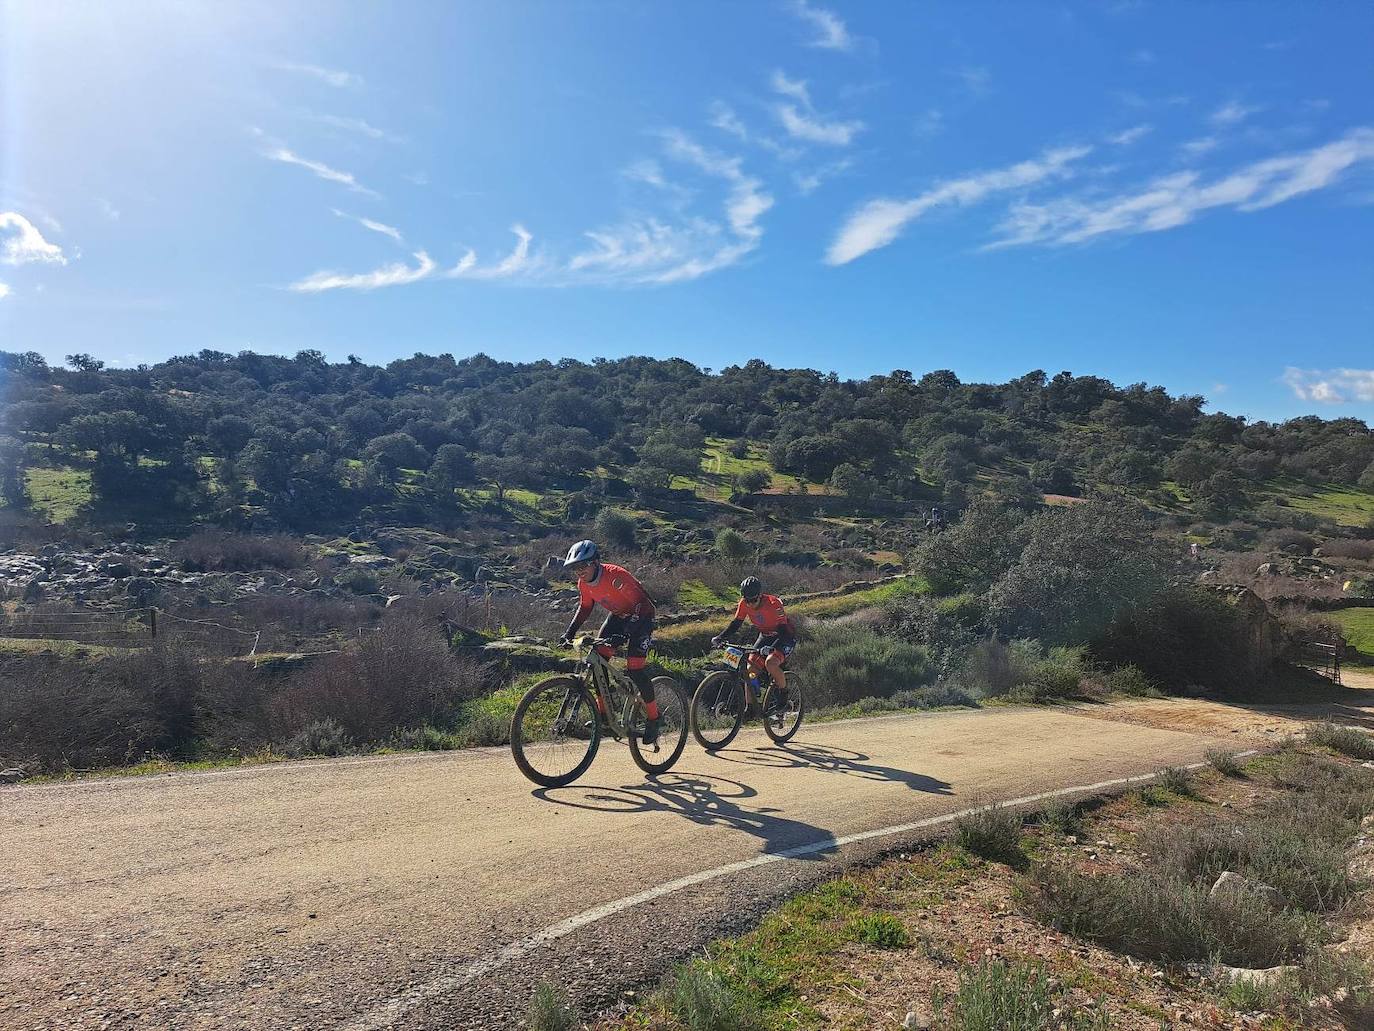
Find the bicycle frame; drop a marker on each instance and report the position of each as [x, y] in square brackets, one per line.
[609, 686]
[749, 665]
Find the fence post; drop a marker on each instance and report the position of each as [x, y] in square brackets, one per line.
[152, 623]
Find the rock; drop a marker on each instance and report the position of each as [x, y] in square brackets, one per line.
[115, 569]
[1234, 882]
[1267, 569]
[12, 776]
[1258, 978]
[371, 561]
[916, 1018]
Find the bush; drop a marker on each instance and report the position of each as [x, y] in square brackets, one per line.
[1062, 815]
[1347, 740]
[1129, 680]
[882, 931]
[1224, 762]
[993, 832]
[997, 996]
[702, 1001]
[1023, 670]
[221, 551]
[615, 529]
[401, 675]
[732, 546]
[321, 737]
[974, 552]
[1349, 547]
[1175, 780]
[843, 664]
[1168, 919]
[551, 1011]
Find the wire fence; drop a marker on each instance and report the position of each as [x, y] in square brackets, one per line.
[140, 627]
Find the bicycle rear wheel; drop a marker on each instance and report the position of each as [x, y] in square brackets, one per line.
[672, 728]
[555, 731]
[717, 709]
[782, 716]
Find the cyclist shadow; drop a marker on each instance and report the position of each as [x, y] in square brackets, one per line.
[829, 759]
[703, 799]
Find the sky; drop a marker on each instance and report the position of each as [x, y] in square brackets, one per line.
[1176, 193]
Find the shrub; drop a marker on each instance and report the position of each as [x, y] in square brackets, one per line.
[1348, 740]
[615, 528]
[974, 552]
[1168, 919]
[882, 931]
[702, 1001]
[1349, 547]
[401, 675]
[1022, 669]
[1129, 680]
[1224, 762]
[731, 545]
[551, 1011]
[1062, 815]
[1175, 780]
[320, 737]
[219, 550]
[993, 832]
[843, 664]
[423, 738]
[998, 996]
[484, 729]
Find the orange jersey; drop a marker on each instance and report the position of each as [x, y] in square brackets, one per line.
[768, 616]
[615, 590]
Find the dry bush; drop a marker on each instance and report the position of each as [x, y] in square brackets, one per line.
[1349, 547]
[220, 550]
[401, 675]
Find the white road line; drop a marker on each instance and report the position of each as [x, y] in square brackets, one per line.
[391, 1012]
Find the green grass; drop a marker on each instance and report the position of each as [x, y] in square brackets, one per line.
[1344, 505]
[694, 594]
[58, 493]
[1358, 627]
[719, 469]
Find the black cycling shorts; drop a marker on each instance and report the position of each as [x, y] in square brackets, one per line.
[781, 642]
[633, 632]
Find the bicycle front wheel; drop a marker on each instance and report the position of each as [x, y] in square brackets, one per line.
[555, 731]
[717, 709]
[672, 728]
[783, 712]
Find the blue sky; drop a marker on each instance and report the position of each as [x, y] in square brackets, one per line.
[1177, 193]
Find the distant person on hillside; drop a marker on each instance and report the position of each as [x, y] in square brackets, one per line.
[631, 619]
[935, 522]
[769, 618]
[1195, 552]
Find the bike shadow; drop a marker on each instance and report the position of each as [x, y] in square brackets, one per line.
[703, 799]
[829, 759]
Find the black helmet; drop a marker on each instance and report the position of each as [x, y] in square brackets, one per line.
[751, 587]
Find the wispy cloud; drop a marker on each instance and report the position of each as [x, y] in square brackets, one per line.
[976, 79]
[22, 244]
[376, 227]
[929, 122]
[354, 125]
[329, 76]
[831, 33]
[1177, 199]
[879, 222]
[1144, 56]
[110, 211]
[1128, 136]
[333, 175]
[1198, 147]
[1330, 386]
[424, 268]
[4, 291]
[1232, 113]
[809, 182]
[803, 122]
[723, 117]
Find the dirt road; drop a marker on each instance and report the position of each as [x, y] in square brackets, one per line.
[382, 891]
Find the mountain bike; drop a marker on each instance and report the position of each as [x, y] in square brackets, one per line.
[726, 696]
[558, 724]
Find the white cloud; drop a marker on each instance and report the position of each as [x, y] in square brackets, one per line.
[4, 290]
[723, 117]
[357, 125]
[330, 76]
[397, 274]
[803, 123]
[1232, 113]
[1177, 199]
[367, 223]
[879, 222]
[646, 171]
[22, 244]
[831, 33]
[320, 169]
[401, 274]
[814, 129]
[1128, 136]
[1331, 386]
[1199, 146]
[809, 182]
[111, 212]
[929, 122]
[794, 88]
[977, 80]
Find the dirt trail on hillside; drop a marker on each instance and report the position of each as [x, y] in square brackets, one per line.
[359, 892]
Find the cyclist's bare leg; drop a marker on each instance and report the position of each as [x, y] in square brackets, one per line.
[773, 663]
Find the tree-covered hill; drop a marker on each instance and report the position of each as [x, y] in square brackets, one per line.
[302, 443]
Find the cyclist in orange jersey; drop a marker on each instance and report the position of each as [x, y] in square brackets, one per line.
[776, 633]
[631, 619]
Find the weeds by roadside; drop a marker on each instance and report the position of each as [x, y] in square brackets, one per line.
[1224, 762]
[992, 832]
[550, 1010]
[1347, 740]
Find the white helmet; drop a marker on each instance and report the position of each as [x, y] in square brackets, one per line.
[582, 551]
